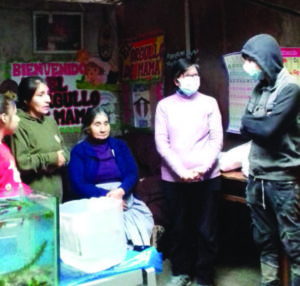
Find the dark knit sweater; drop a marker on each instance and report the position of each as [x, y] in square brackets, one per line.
[85, 163]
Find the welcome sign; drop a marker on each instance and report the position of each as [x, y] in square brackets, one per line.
[69, 97]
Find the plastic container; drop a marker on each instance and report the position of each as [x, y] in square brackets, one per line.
[28, 240]
[92, 235]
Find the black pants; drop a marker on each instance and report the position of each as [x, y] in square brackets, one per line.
[276, 220]
[192, 209]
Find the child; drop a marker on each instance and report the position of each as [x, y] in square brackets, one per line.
[10, 182]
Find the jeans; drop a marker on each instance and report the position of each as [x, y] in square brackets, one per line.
[275, 211]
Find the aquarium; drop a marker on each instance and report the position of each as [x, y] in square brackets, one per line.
[29, 241]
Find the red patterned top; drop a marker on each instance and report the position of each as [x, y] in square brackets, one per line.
[10, 181]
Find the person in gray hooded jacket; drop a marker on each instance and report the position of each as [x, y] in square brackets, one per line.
[272, 122]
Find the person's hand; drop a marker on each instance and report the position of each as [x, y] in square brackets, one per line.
[190, 176]
[200, 174]
[116, 193]
[61, 161]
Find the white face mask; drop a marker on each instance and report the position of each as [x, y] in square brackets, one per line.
[189, 84]
[252, 69]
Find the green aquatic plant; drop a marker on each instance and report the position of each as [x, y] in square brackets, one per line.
[12, 276]
[35, 282]
[33, 278]
[48, 214]
[20, 214]
[33, 260]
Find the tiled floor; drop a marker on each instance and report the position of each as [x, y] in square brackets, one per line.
[227, 274]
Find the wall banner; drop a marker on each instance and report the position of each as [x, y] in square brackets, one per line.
[71, 91]
[240, 88]
[291, 60]
[141, 105]
[142, 60]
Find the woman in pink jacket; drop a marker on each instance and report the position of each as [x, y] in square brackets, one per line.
[189, 137]
[10, 181]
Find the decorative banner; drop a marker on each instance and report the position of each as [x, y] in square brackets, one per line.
[172, 58]
[241, 85]
[291, 60]
[141, 105]
[143, 59]
[74, 87]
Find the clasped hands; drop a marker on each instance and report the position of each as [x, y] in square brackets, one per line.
[61, 161]
[190, 176]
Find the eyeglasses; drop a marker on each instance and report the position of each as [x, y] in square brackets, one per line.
[191, 76]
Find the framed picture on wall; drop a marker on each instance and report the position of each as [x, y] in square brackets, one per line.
[57, 32]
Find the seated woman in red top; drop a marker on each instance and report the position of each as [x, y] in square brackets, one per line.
[10, 181]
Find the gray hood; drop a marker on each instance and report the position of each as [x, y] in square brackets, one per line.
[265, 50]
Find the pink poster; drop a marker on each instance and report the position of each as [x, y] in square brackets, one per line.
[73, 89]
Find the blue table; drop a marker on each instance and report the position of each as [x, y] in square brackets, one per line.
[129, 272]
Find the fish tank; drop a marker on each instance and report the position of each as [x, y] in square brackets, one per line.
[29, 241]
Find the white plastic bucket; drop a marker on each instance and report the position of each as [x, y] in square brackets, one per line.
[92, 236]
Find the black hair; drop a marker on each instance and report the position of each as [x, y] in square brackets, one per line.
[247, 57]
[5, 101]
[90, 117]
[181, 66]
[9, 85]
[27, 89]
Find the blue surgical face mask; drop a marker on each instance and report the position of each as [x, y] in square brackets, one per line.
[189, 84]
[256, 74]
[252, 69]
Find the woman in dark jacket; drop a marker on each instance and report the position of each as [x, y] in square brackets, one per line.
[104, 166]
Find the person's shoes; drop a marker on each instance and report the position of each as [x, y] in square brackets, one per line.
[180, 280]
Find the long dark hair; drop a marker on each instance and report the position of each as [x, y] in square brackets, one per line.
[27, 89]
[90, 117]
